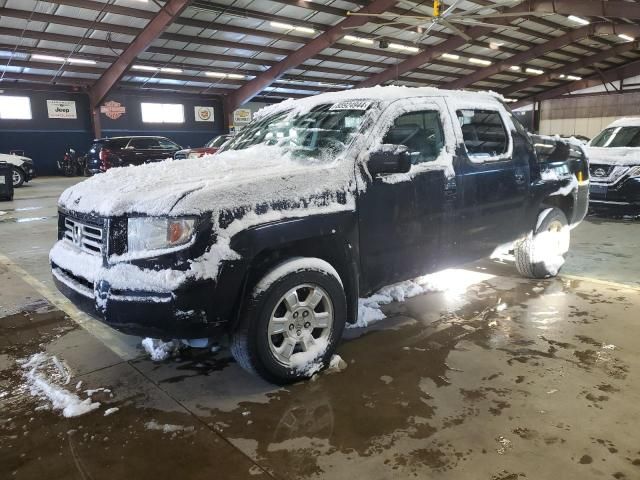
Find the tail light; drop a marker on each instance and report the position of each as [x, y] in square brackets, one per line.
[105, 164]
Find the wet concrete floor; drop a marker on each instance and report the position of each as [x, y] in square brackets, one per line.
[508, 380]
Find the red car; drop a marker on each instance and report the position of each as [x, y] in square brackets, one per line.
[211, 147]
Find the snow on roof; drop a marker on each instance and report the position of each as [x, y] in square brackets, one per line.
[626, 122]
[389, 93]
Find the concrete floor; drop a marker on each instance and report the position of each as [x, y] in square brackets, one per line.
[508, 380]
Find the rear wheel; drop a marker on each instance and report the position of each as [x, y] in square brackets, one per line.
[542, 253]
[292, 322]
[18, 177]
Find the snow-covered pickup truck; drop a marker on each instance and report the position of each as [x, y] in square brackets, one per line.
[316, 203]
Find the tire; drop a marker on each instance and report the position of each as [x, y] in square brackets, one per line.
[304, 337]
[18, 177]
[542, 253]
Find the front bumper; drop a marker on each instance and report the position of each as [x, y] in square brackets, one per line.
[29, 172]
[623, 196]
[179, 314]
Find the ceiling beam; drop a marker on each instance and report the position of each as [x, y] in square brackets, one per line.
[296, 58]
[151, 31]
[613, 74]
[558, 42]
[571, 68]
[582, 8]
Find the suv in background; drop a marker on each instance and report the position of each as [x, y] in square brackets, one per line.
[106, 153]
[23, 170]
[614, 157]
[210, 148]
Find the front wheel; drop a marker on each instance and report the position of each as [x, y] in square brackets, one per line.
[18, 177]
[292, 322]
[542, 253]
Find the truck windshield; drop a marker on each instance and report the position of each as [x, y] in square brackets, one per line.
[618, 137]
[322, 133]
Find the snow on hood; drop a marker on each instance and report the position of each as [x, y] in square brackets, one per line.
[228, 180]
[13, 159]
[614, 156]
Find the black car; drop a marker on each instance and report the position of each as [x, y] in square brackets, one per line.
[106, 153]
[316, 204]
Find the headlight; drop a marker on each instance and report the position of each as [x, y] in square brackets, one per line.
[634, 172]
[154, 233]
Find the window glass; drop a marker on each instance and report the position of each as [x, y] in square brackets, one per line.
[167, 144]
[421, 132]
[162, 112]
[618, 137]
[320, 134]
[118, 143]
[217, 142]
[483, 132]
[15, 108]
[144, 143]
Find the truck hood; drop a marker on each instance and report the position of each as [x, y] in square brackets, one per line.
[231, 180]
[626, 156]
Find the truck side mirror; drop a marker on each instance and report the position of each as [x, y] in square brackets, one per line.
[389, 159]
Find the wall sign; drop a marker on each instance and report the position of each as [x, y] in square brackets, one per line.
[61, 109]
[242, 116]
[113, 110]
[204, 114]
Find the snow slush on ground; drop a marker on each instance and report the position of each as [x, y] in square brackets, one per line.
[45, 376]
[159, 350]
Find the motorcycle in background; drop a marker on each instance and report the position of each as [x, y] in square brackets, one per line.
[72, 164]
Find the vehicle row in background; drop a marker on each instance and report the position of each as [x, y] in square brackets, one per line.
[614, 157]
[106, 153]
[23, 170]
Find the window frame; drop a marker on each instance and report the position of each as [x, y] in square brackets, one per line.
[507, 155]
[162, 120]
[2, 117]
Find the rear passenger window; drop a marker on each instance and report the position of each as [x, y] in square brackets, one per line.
[421, 132]
[483, 132]
[143, 143]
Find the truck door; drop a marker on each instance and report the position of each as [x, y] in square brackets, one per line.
[492, 181]
[400, 214]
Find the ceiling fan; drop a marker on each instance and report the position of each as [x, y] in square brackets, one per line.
[448, 18]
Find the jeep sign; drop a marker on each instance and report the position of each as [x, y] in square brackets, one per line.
[61, 109]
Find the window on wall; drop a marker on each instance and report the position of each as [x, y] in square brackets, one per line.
[15, 108]
[162, 112]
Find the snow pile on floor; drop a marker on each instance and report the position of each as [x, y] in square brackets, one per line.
[454, 281]
[310, 362]
[159, 350]
[43, 375]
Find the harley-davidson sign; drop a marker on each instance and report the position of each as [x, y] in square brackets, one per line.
[113, 110]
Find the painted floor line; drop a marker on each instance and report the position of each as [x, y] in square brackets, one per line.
[608, 283]
[98, 330]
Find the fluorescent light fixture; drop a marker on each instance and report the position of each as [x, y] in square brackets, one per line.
[495, 45]
[288, 26]
[47, 58]
[514, 68]
[398, 46]
[81, 61]
[146, 68]
[581, 21]
[170, 70]
[479, 61]
[534, 71]
[510, 100]
[225, 75]
[562, 76]
[451, 56]
[351, 38]
[574, 78]
[626, 38]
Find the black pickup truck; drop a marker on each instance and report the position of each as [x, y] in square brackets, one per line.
[316, 203]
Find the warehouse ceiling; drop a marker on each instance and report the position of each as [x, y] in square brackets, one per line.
[273, 49]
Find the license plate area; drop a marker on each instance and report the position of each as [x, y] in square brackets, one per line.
[598, 189]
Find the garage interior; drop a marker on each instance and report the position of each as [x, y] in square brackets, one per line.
[489, 376]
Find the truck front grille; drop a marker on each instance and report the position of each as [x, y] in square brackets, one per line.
[88, 238]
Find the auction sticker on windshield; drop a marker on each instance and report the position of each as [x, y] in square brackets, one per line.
[352, 105]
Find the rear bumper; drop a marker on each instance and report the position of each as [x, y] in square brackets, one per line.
[178, 314]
